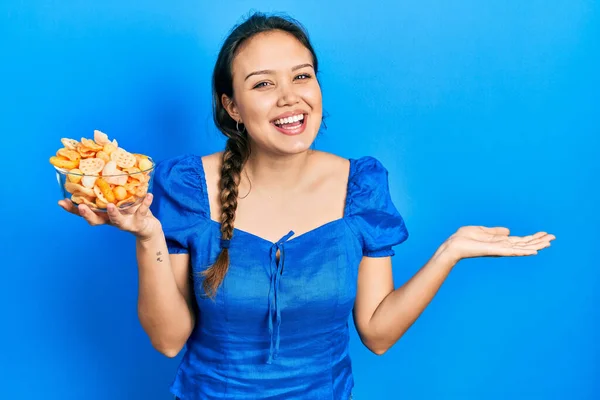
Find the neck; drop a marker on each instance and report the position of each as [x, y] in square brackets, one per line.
[273, 173]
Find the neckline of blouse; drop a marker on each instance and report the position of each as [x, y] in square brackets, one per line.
[205, 200]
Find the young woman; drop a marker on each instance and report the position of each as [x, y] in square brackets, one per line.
[271, 245]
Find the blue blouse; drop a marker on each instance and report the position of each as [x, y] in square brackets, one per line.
[276, 329]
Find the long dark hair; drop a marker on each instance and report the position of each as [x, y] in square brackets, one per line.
[237, 149]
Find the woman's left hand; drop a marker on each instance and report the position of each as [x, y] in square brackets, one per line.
[480, 241]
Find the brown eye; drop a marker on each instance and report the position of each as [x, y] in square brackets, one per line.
[260, 85]
[303, 76]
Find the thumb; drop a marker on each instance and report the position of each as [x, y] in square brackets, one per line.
[497, 230]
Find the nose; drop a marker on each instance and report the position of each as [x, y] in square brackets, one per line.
[287, 95]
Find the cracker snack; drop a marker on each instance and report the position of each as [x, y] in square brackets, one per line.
[97, 172]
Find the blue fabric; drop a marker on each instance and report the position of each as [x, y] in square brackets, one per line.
[276, 329]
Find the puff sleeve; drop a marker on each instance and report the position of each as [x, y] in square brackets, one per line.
[178, 200]
[371, 212]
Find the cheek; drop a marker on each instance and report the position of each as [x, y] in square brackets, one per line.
[254, 109]
[313, 97]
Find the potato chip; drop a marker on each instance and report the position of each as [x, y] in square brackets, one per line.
[103, 156]
[110, 168]
[70, 144]
[74, 175]
[141, 190]
[123, 158]
[84, 151]
[109, 148]
[128, 201]
[100, 203]
[113, 175]
[89, 181]
[75, 188]
[68, 154]
[62, 162]
[78, 199]
[91, 166]
[101, 138]
[131, 187]
[136, 174]
[144, 164]
[90, 144]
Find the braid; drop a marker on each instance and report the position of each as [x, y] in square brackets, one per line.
[234, 158]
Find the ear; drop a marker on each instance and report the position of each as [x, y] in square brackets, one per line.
[231, 108]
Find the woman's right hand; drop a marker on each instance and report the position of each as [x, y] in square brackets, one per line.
[137, 220]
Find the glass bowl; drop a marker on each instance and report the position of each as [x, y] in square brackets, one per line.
[123, 190]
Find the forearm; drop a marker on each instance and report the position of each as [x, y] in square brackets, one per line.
[163, 310]
[401, 308]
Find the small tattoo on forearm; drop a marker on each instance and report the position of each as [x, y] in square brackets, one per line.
[158, 258]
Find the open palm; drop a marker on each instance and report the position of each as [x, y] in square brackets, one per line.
[481, 241]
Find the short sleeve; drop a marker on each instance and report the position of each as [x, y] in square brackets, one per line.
[370, 210]
[178, 200]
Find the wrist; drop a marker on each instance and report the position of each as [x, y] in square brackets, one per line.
[448, 254]
[151, 235]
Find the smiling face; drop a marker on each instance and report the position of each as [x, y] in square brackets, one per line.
[276, 94]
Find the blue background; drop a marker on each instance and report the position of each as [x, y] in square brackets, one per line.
[483, 112]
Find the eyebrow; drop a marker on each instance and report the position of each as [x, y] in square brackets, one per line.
[270, 71]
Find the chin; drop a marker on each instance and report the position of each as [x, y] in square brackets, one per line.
[297, 146]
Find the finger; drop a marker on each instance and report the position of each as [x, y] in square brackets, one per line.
[114, 215]
[531, 237]
[521, 252]
[497, 230]
[91, 217]
[537, 239]
[537, 246]
[144, 208]
[512, 251]
[538, 242]
[68, 206]
[525, 239]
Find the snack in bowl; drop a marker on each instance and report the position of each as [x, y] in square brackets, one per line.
[97, 172]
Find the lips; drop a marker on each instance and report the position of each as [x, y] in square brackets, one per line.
[289, 114]
[291, 125]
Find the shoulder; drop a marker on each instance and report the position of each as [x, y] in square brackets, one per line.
[179, 164]
[324, 158]
[352, 167]
[366, 173]
[367, 166]
[211, 164]
[178, 186]
[368, 185]
[180, 173]
[330, 166]
[371, 210]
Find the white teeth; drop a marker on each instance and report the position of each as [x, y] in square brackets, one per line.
[289, 120]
